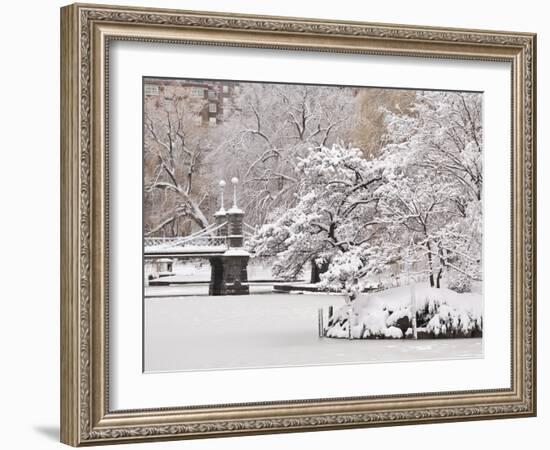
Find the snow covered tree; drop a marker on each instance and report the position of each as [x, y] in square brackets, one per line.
[434, 154]
[417, 202]
[416, 211]
[276, 125]
[374, 106]
[349, 180]
[443, 134]
[174, 153]
[461, 249]
[332, 221]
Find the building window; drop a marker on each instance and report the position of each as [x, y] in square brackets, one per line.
[225, 89]
[212, 107]
[212, 121]
[151, 89]
[212, 95]
[197, 92]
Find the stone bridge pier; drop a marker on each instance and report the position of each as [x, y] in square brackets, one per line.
[229, 274]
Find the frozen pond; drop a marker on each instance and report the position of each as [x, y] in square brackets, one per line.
[185, 329]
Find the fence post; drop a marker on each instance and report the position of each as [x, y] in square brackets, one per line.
[350, 336]
[320, 322]
[413, 310]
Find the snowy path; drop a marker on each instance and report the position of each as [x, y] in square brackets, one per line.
[266, 330]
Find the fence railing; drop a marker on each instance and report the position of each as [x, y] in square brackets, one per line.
[199, 241]
[204, 237]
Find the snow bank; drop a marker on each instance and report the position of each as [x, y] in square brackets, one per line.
[440, 313]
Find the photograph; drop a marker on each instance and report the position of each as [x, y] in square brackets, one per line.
[291, 221]
[305, 224]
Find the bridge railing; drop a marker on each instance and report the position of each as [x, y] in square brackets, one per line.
[205, 241]
[203, 238]
[199, 241]
[197, 238]
[154, 241]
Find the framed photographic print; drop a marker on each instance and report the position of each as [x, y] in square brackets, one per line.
[275, 224]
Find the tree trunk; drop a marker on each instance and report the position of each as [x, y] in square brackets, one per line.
[317, 270]
[430, 265]
[438, 281]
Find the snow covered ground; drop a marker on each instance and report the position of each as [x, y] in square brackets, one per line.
[196, 332]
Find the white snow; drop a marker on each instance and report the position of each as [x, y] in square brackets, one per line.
[393, 332]
[404, 311]
[236, 251]
[265, 329]
[160, 249]
[375, 314]
[199, 271]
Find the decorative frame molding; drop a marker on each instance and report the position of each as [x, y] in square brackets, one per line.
[86, 31]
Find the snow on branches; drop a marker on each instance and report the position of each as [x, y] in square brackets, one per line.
[443, 135]
[335, 196]
[174, 150]
[332, 187]
[277, 125]
[417, 204]
[432, 199]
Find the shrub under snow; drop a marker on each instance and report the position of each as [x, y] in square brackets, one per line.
[440, 313]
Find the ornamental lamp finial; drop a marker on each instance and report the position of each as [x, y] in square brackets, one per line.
[222, 186]
[235, 181]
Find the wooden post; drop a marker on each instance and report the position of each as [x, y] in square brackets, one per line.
[320, 322]
[413, 309]
[350, 336]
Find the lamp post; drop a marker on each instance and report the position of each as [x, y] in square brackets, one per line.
[221, 215]
[235, 181]
[222, 188]
[235, 219]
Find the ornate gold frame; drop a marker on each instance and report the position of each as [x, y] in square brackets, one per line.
[86, 31]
